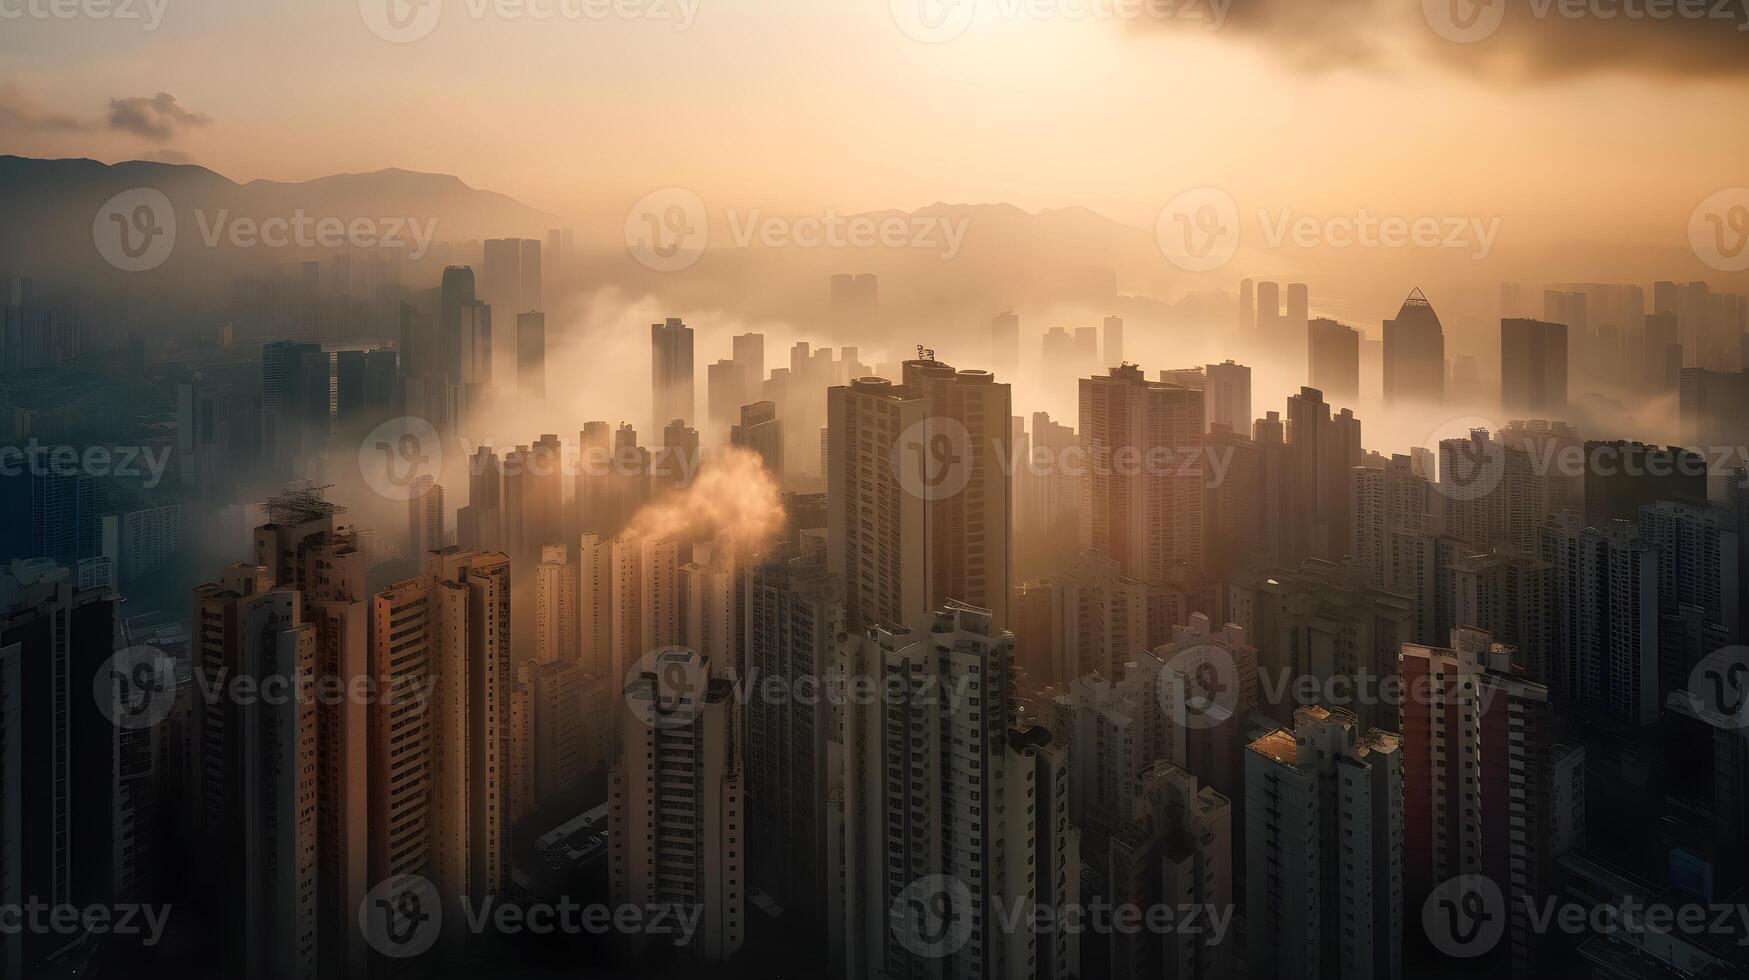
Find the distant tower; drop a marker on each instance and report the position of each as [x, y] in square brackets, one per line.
[1533, 369]
[1004, 343]
[1113, 341]
[671, 378]
[1228, 396]
[531, 354]
[1335, 360]
[425, 531]
[1415, 354]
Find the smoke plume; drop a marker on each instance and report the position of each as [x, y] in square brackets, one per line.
[733, 501]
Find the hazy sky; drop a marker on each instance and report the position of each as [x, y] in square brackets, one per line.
[1605, 130]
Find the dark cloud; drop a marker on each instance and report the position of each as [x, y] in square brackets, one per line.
[19, 113]
[1506, 39]
[158, 118]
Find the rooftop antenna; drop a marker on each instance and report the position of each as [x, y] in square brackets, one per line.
[925, 353]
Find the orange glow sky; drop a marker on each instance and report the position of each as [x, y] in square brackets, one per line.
[817, 103]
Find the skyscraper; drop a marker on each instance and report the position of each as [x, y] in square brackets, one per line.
[1415, 354]
[531, 354]
[425, 530]
[920, 504]
[457, 292]
[1228, 394]
[761, 431]
[1114, 349]
[1148, 517]
[1605, 594]
[1324, 850]
[795, 621]
[1483, 785]
[555, 607]
[1005, 343]
[1335, 360]
[1323, 450]
[677, 823]
[671, 366]
[1176, 850]
[1533, 368]
[929, 784]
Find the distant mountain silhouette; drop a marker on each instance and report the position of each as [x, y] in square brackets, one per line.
[49, 207]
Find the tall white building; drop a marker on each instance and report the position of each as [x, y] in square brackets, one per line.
[921, 501]
[936, 797]
[555, 606]
[1324, 851]
[1145, 516]
[677, 818]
